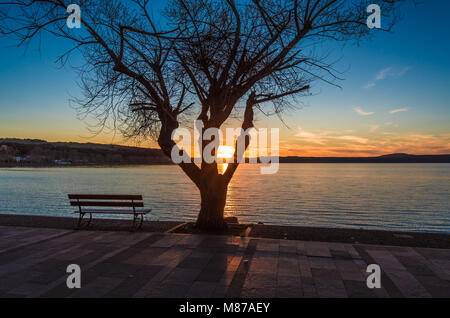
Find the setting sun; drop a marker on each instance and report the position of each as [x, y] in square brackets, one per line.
[225, 152]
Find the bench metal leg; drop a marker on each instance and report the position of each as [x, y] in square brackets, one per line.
[135, 218]
[142, 220]
[134, 222]
[80, 218]
[90, 219]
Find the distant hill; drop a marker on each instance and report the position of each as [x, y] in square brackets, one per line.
[43, 153]
[391, 158]
[35, 152]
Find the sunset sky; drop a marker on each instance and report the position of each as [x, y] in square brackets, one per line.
[395, 96]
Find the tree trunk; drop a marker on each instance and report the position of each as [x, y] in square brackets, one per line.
[213, 192]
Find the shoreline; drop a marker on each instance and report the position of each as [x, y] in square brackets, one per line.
[298, 233]
[122, 165]
[115, 165]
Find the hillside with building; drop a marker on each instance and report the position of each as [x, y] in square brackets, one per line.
[34, 152]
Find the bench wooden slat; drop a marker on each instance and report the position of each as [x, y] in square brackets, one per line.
[104, 197]
[105, 203]
[114, 211]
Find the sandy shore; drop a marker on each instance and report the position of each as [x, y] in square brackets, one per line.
[354, 236]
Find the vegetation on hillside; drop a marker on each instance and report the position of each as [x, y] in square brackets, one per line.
[41, 152]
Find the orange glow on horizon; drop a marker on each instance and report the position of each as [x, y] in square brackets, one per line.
[292, 145]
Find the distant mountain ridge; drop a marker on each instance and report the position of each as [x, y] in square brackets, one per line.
[389, 158]
[36, 152]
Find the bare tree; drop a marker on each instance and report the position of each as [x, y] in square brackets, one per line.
[202, 58]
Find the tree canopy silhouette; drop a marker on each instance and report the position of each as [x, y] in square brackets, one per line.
[203, 59]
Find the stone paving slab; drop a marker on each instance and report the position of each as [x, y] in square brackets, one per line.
[33, 263]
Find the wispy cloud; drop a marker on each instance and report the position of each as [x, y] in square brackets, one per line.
[398, 110]
[316, 138]
[369, 85]
[355, 139]
[403, 71]
[324, 137]
[373, 128]
[362, 112]
[386, 73]
[383, 73]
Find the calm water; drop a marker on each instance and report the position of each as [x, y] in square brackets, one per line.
[378, 196]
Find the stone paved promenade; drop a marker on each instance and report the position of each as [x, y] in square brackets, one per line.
[33, 263]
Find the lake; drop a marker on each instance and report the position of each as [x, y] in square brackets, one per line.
[412, 197]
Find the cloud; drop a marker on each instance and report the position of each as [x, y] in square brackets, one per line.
[356, 139]
[362, 112]
[403, 71]
[315, 138]
[336, 142]
[324, 137]
[398, 110]
[369, 85]
[386, 73]
[373, 128]
[383, 74]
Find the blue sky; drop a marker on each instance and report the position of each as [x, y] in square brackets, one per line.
[406, 72]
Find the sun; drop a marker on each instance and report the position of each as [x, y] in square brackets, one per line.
[225, 152]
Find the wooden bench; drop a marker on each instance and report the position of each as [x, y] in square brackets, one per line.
[109, 200]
